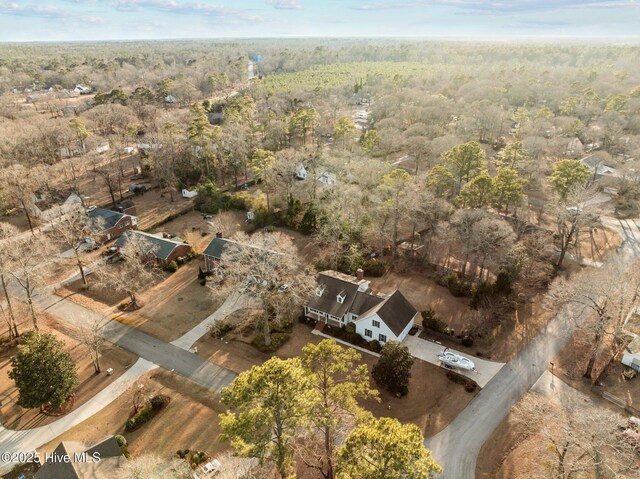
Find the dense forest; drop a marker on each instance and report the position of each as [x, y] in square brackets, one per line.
[424, 141]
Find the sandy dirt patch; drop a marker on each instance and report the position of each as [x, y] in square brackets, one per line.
[423, 292]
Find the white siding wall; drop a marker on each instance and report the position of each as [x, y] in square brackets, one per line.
[367, 323]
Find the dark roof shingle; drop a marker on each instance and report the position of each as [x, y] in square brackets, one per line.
[396, 312]
[159, 247]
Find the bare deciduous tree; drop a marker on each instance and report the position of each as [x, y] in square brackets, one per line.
[26, 257]
[603, 298]
[577, 438]
[573, 214]
[265, 266]
[91, 337]
[7, 232]
[134, 273]
[75, 230]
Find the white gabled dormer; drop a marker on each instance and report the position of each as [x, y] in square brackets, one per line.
[320, 289]
[341, 296]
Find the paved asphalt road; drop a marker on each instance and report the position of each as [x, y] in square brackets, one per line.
[165, 355]
[457, 447]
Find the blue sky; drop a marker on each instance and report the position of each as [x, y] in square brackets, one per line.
[52, 20]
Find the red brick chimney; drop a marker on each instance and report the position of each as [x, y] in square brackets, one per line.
[360, 274]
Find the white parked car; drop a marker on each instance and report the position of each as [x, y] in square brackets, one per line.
[212, 467]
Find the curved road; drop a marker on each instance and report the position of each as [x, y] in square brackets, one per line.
[456, 448]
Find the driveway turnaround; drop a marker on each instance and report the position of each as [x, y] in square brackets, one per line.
[428, 351]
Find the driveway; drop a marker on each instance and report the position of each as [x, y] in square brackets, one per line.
[152, 352]
[428, 351]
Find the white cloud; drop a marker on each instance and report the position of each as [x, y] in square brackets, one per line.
[284, 4]
[499, 6]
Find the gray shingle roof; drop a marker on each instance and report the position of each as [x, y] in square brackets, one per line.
[363, 302]
[216, 247]
[108, 218]
[396, 312]
[111, 459]
[333, 284]
[160, 247]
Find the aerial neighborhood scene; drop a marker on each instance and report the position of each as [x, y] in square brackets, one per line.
[259, 239]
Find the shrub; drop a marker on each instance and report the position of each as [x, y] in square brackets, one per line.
[143, 416]
[122, 442]
[431, 321]
[182, 453]
[170, 267]
[467, 341]
[455, 286]
[350, 333]
[481, 292]
[456, 378]
[374, 268]
[470, 386]
[159, 402]
[218, 329]
[393, 369]
[375, 346]
[504, 282]
[277, 340]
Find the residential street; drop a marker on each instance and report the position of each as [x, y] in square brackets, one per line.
[30, 439]
[152, 353]
[456, 447]
[166, 355]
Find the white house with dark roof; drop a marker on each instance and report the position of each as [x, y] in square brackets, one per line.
[340, 299]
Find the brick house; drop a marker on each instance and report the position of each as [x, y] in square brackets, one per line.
[111, 224]
[126, 207]
[162, 249]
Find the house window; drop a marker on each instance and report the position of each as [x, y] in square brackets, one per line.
[376, 324]
[368, 333]
[382, 338]
[120, 226]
